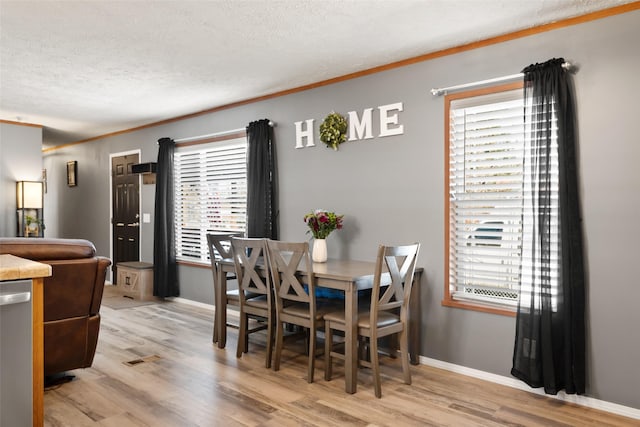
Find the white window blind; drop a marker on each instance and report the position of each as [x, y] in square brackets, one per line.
[487, 193]
[211, 194]
[486, 144]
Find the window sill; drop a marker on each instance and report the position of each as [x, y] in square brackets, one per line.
[193, 264]
[485, 308]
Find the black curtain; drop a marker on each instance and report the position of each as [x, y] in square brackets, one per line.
[262, 210]
[165, 278]
[549, 347]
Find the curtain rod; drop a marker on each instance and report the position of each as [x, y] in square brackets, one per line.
[443, 91]
[212, 135]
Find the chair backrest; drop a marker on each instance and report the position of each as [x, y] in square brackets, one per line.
[219, 248]
[286, 259]
[395, 266]
[249, 257]
[220, 245]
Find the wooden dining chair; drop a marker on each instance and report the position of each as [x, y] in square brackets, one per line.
[255, 296]
[220, 249]
[295, 298]
[387, 313]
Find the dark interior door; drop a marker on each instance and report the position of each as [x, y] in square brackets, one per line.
[126, 211]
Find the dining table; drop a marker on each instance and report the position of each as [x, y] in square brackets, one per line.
[349, 276]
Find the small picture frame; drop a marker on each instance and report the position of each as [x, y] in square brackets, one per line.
[72, 173]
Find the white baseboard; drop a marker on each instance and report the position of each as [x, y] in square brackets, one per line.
[588, 402]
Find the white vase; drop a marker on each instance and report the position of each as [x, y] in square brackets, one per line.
[319, 253]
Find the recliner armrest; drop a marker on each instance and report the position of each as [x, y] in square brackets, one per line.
[47, 249]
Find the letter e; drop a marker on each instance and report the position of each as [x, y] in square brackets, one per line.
[386, 119]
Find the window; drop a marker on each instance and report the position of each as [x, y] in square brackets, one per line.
[211, 193]
[484, 181]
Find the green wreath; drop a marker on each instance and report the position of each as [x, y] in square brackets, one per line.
[333, 130]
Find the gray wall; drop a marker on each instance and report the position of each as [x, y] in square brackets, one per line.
[391, 189]
[20, 160]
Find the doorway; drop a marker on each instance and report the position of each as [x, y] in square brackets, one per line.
[125, 210]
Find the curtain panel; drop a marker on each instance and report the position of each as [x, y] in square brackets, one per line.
[262, 210]
[165, 278]
[549, 346]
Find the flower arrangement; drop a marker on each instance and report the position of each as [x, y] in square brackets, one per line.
[321, 223]
[333, 130]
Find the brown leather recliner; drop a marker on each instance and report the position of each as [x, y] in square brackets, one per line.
[72, 297]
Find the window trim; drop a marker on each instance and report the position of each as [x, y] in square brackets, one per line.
[448, 301]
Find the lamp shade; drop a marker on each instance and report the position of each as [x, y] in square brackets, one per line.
[29, 194]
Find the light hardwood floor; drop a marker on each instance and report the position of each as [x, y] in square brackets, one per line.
[184, 380]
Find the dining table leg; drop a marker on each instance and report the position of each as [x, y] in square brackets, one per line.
[351, 339]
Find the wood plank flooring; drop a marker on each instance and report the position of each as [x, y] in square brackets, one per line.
[179, 378]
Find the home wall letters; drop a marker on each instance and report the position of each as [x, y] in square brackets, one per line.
[359, 128]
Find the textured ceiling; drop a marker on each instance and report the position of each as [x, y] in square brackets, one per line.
[87, 68]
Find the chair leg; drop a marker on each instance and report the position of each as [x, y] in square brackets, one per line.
[393, 345]
[307, 332]
[222, 335]
[246, 334]
[220, 297]
[215, 327]
[362, 349]
[404, 353]
[328, 346]
[269, 342]
[278, 349]
[242, 334]
[312, 353]
[375, 365]
[216, 315]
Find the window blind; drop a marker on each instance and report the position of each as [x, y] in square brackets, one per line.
[489, 186]
[211, 194]
[486, 144]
